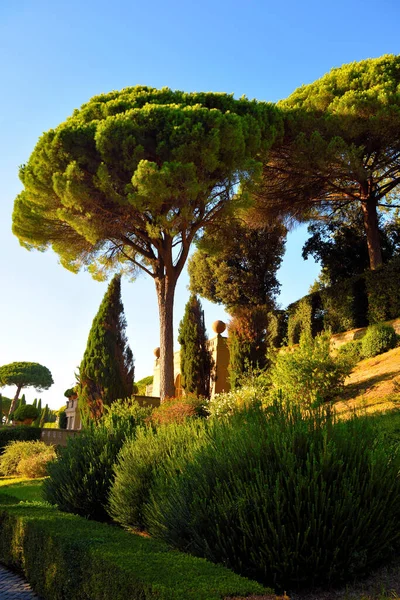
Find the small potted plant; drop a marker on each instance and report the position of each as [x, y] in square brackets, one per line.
[25, 414]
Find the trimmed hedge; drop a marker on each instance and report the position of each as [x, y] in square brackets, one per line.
[357, 302]
[18, 434]
[65, 556]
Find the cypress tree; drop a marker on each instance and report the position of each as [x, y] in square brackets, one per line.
[106, 371]
[23, 400]
[35, 403]
[196, 360]
[36, 423]
[249, 338]
[44, 416]
[1, 409]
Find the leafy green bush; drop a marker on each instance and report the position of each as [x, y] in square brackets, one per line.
[138, 462]
[25, 411]
[352, 351]
[79, 480]
[123, 411]
[227, 403]
[378, 338]
[66, 556]
[286, 496]
[309, 374]
[20, 433]
[26, 458]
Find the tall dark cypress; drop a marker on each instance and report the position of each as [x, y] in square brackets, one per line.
[196, 360]
[107, 370]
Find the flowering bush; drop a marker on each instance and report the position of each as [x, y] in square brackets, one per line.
[227, 403]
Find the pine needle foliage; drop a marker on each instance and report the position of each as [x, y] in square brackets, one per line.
[196, 360]
[107, 370]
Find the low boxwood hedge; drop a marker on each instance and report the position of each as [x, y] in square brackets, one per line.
[64, 556]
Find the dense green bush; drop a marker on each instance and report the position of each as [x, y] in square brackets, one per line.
[25, 411]
[62, 419]
[310, 374]
[345, 305]
[352, 351]
[123, 411]
[139, 461]
[383, 292]
[284, 496]
[378, 338]
[20, 433]
[65, 556]
[26, 458]
[79, 480]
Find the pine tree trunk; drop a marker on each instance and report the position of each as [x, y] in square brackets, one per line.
[165, 287]
[372, 230]
[14, 402]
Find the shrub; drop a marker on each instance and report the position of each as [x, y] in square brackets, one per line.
[62, 419]
[286, 496]
[228, 403]
[79, 480]
[26, 458]
[65, 556]
[138, 462]
[177, 410]
[25, 411]
[19, 433]
[123, 411]
[310, 374]
[379, 338]
[352, 351]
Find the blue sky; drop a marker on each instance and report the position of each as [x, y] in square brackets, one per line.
[56, 55]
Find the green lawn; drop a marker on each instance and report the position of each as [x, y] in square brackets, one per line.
[22, 488]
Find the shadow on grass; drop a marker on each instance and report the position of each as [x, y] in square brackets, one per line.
[359, 388]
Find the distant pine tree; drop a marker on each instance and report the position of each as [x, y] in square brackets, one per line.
[196, 360]
[107, 370]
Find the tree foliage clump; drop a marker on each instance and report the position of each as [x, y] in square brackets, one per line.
[195, 356]
[236, 265]
[25, 374]
[106, 371]
[249, 338]
[132, 176]
[340, 246]
[341, 147]
[25, 411]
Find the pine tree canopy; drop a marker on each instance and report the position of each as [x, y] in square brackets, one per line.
[132, 176]
[341, 146]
